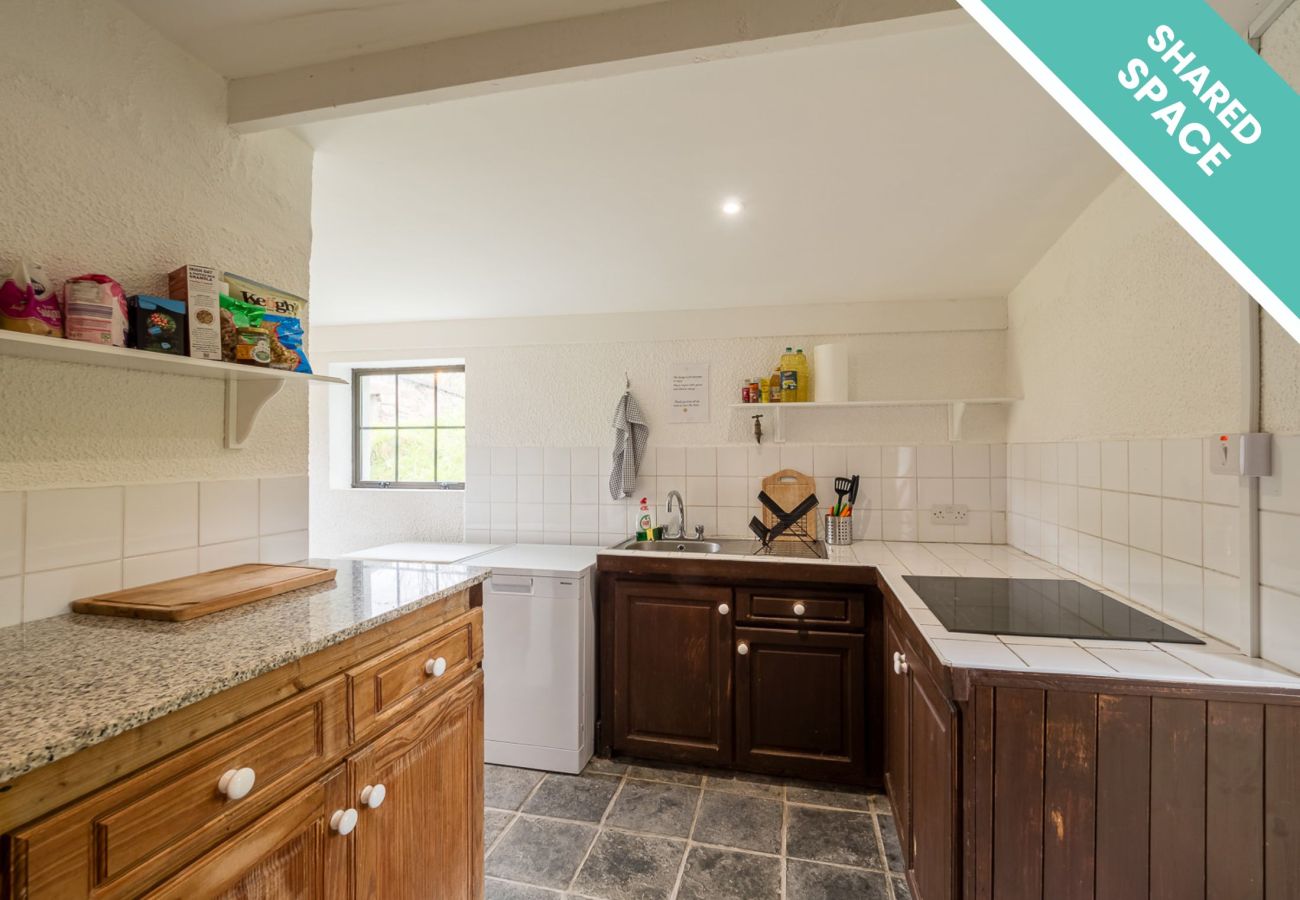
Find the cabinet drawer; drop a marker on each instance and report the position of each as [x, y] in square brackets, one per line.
[128, 835]
[786, 606]
[389, 686]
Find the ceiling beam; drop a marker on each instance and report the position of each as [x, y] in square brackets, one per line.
[676, 32]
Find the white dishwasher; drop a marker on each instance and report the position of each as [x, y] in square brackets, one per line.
[539, 659]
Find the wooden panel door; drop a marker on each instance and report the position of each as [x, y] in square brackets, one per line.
[933, 745]
[426, 838]
[799, 704]
[898, 696]
[291, 853]
[672, 676]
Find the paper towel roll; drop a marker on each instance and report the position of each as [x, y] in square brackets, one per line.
[830, 373]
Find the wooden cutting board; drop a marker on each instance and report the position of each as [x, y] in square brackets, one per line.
[788, 488]
[197, 595]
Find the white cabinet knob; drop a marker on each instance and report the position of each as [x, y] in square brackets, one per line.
[435, 667]
[343, 821]
[898, 667]
[236, 783]
[372, 795]
[723, 609]
[800, 609]
[901, 665]
[742, 648]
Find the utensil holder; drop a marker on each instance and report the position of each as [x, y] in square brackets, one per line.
[839, 530]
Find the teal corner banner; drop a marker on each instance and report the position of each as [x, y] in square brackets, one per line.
[1190, 110]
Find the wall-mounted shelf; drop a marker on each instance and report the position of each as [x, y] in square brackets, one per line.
[956, 410]
[248, 388]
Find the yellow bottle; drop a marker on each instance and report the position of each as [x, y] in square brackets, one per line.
[774, 385]
[805, 376]
[789, 376]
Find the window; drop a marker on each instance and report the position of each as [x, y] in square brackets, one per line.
[409, 428]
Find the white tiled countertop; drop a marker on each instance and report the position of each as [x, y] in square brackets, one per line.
[1214, 661]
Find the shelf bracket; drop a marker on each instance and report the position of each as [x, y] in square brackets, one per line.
[778, 423]
[956, 412]
[244, 400]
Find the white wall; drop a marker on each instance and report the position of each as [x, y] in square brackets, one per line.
[115, 158]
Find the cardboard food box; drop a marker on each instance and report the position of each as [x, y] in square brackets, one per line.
[198, 287]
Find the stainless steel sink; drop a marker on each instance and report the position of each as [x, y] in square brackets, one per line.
[670, 546]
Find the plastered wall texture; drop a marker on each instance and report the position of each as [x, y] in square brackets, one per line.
[1125, 328]
[115, 157]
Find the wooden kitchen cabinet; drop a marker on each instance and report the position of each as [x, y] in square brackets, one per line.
[898, 696]
[672, 672]
[800, 706]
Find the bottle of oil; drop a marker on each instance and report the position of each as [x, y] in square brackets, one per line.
[789, 376]
[805, 376]
[774, 384]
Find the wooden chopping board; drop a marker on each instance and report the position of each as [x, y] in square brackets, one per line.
[788, 488]
[197, 595]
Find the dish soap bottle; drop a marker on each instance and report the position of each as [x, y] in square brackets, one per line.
[789, 377]
[805, 375]
[645, 523]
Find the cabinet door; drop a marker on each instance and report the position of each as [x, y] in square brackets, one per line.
[672, 672]
[426, 838]
[291, 853]
[799, 703]
[898, 736]
[933, 738]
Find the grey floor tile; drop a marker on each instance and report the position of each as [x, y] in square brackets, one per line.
[581, 797]
[666, 809]
[541, 852]
[493, 889]
[713, 874]
[832, 835]
[814, 881]
[840, 799]
[494, 822]
[624, 866]
[893, 850]
[598, 766]
[507, 788]
[901, 890]
[666, 773]
[735, 820]
[752, 785]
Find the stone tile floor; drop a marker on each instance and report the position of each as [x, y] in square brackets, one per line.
[629, 831]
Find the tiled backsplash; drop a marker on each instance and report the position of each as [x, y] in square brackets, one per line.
[59, 545]
[561, 495]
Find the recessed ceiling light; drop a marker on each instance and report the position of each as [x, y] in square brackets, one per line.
[732, 206]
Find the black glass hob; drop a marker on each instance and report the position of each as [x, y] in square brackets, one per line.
[1039, 607]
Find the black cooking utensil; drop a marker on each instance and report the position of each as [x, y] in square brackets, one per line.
[853, 491]
[842, 487]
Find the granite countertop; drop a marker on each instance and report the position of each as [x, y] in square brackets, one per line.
[1215, 661]
[74, 680]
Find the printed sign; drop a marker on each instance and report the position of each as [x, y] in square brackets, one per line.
[691, 393]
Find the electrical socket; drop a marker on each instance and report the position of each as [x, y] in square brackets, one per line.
[949, 514]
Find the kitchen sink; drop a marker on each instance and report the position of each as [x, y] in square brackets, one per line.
[733, 547]
[670, 546]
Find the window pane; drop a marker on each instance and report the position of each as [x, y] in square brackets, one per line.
[378, 400]
[451, 454]
[415, 399]
[416, 460]
[451, 401]
[378, 448]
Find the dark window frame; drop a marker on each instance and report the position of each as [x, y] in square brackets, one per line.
[358, 376]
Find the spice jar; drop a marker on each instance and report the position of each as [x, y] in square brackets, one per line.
[253, 346]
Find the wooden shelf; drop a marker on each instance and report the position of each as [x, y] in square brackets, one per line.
[956, 410]
[248, 388]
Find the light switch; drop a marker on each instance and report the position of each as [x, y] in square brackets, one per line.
[1248, 455]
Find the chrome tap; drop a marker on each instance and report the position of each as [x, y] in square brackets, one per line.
[681, 511]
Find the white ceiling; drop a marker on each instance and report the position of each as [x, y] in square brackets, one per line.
[915, 166]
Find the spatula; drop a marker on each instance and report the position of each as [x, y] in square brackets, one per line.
[842, 487]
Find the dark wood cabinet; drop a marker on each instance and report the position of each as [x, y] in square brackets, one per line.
[672, 672]
[898, 698]
[800, 703]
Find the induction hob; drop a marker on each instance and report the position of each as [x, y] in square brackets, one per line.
[1039, 607]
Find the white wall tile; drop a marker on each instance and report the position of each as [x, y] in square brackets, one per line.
[1279, 551]
[977, 530]
[155, 567]
[701, 461]
[557, 517]
[1145, 578]
[998, 494]
[899, 525]
[478, 488]
[733, 462]
[830, 460]
[75, 526]
[282, 504]
[478, 515]
[556, 461]
[998, 524]
[1144, 518]
[1033, 462]
[11, 532]
[733, 521]
[48, 593]
[1067, 506]
[1114, 567]
[863, 461]
[530, 461]
[734, 492]
[584, 489]
[1279, 627]
[1067, 463]
[970, 461]
[504, 461]
[1181, 530]
[1090, 511]
[764, 460]
[1114, 465]
[504, 488]
[899, 493]
[1222, 606]
[931, 533]
[1068, 549]
[1144, 467]
[503, 536]
[504, 516]
[1033, 498]
[1219, 538]
[159, 517]
[557, 489]
[478, 460]
[972, 492]
[583, 461]
[1050, 463]
[11, 601]
[897, 462]
[529, 488]
[701, 491]
[228, 510]
[998, 461]
[1114, 516]
[1090, 557]
[585, 518]
[1181, 469]
[472, 536]
[1280, 492]
[1183, 594]
[934, 461]
[1089, 464]
[798, 457]
[1222, 489]
[529, 516]
[932, 492]
[1016, 461]
[706, 516]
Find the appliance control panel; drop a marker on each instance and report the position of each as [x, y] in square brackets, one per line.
[1247, 455]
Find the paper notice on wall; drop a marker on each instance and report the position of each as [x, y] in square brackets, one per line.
[691, 393]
